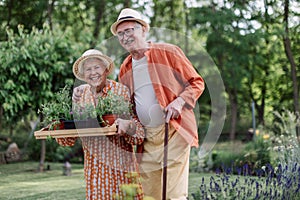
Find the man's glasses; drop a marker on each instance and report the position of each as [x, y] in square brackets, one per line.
[127, 32]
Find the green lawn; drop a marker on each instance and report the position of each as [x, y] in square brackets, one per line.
[21, 181]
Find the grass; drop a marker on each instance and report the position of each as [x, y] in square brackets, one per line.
[21, 181]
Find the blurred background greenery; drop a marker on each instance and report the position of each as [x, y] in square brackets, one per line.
[254, 44]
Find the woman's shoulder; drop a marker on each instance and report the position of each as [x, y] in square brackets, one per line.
[84, 87]
[115, 84]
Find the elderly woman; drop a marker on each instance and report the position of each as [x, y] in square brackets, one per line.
[108, 160]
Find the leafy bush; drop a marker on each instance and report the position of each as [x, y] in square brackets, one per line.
[225, 159]
[286, 148]
[257, 152]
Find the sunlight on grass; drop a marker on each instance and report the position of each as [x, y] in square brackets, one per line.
[21, 181]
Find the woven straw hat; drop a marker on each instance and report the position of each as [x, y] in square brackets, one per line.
[91, 53]
[128, 14]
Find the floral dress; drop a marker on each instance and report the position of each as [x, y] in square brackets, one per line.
[109, 161]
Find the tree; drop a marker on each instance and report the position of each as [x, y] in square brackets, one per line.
[33, 66]
[290, 56]
[26, 12]
[226, 44]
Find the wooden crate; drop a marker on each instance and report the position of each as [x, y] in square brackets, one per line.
[85, 132]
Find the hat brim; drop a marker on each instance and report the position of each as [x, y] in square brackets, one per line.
[113, 27]
[79, 64]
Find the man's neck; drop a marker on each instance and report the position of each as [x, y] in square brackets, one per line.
[139, 53]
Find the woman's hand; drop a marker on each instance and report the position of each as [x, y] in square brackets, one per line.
[125, 126]
[77, 92]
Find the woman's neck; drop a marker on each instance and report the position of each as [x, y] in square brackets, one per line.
[98, 89]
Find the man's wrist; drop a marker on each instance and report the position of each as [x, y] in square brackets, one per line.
[181, 101]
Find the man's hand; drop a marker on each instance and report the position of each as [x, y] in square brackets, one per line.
[173, 110]
[77, 92]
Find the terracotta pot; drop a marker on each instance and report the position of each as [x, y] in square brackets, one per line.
[109, 119]
[58, 125]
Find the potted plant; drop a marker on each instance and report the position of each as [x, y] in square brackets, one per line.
[111, 107]
[84, 117]
[59, 113]
[57, 110]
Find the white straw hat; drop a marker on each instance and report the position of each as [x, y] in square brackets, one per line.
[128, 14]
[91, 53]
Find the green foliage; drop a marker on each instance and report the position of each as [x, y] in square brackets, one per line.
[257, 152]
[113, 104]
[176, 14]
[55, 152]
[131, 190]
[243, 38]
[33, 65]
[59, 108]
[28, 13]
[285, 139]
[225, 159]
[83, 113]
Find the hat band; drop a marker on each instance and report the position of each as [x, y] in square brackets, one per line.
[127, 17]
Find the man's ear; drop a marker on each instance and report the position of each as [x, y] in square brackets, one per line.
[144, 29]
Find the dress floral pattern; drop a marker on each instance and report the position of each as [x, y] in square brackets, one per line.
[108, 160]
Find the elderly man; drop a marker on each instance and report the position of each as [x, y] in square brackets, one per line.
[164, 87]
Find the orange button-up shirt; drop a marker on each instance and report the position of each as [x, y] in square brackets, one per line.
[172, 75]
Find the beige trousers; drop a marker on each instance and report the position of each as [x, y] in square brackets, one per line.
[151, 167]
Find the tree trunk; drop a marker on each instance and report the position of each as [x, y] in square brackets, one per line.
[50, 11]
[127, 4]
[261, 108]
[233, 121]
[289, 54]
[43, 150]
[99, 7]
[10, 7]
[43, 155]
[1, 116]
[11, 130]
[187, 28]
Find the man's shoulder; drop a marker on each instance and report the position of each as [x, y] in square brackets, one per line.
[164, 47]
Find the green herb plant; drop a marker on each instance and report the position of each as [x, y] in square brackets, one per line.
[59, 108]
[113, 104]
